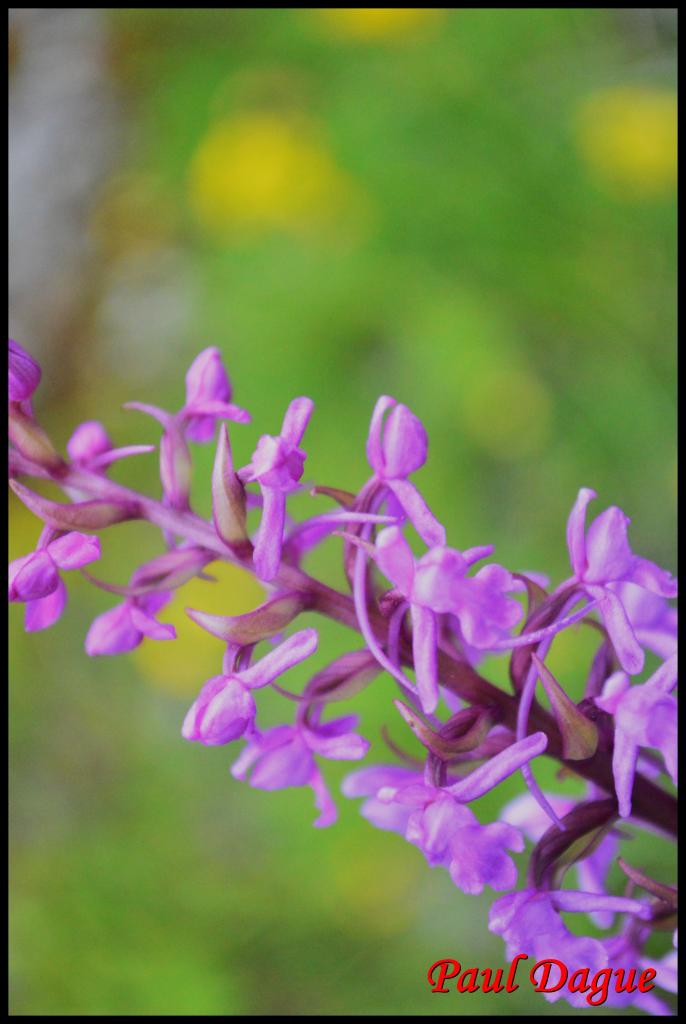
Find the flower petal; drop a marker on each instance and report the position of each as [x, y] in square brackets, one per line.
[374, 448]
[404, 443]
[267, 554]
[224, 713]
[587, 902]
[576, 530]
[624, 758]
[368, 781]
[394, 558]
[149, 626]
[74, 550]
[478, 857]
[295, 420]
[291, 764]
[616, 621]
[418, 512]
[113, 632]
[89, 439]
[323, 801]
[32, 577]
[424, 652]
[346, 747]
[23, 373]
[614, 689]
[608, 554]
[650, 576]
[490, 774]
[289, 653]
[45, 611]
[207, 379]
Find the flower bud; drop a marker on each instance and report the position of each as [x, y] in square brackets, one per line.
[31, 440]
[88, 440]
[222, 712]
[228, 496]
[266, 621]
[83, 515]
[404, 443]
[207, 380]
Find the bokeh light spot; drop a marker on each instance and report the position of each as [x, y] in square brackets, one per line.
[372, 23]
[628, 137]
[258, 172]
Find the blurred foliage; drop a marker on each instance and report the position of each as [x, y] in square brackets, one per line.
[472, 210]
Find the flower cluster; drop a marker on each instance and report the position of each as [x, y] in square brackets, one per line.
[428, 613]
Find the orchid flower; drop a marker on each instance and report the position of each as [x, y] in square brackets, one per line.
[35, 578]
[277, 465]
[645, 716]
[225, 707]
[600, 556]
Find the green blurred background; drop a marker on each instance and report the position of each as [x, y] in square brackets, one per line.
[473, 211]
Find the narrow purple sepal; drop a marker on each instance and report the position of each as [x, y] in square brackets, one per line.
[488, 775]
[44, 612]
[289, 653]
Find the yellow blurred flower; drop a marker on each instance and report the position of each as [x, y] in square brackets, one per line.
[507, 411]
[371, 23]
[628, 137]
[260, 171]
[181, 666]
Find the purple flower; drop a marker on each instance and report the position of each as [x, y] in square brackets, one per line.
[277, 466]
[123, 627]
[530, 923]
[438, 584]
[208, 397]
[89, 440]
[90, 446]
[652, 618]
[624, 953]
[667, 968]
[369, 782]
[35, 578]
[436, 820]
[24, 373]
[645, 716]
[600, 555]
[285, 756]
[207, 394]
[225, 708]
[396, 448]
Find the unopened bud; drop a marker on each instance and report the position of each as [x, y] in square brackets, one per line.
[31, 440]
[82, 515]
[228, 497]
[266, 621]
